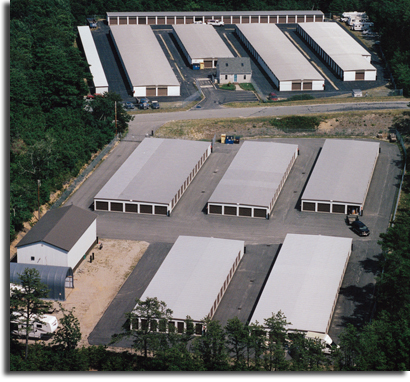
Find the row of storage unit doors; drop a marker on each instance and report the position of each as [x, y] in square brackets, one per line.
[170, 20]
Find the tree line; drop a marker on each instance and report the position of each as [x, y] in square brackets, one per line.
[53, 129]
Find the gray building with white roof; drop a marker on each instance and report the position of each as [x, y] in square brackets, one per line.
[305, 281]
[201, 45]
[341, 177]
[228, 17]
[254, 180]
[346, 57]
[154, 177]
[145, 64]
[100, 83]
[282, 61]
[194, 276]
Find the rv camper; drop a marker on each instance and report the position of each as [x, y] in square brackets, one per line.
[41, 326]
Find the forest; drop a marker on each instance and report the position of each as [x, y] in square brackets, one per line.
[52, 136]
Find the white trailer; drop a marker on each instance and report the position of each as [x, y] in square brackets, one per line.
[362, 26]
[41, 326]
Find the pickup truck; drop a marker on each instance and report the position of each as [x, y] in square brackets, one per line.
[217, 23]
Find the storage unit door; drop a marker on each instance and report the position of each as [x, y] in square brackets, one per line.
[151, 92]
[230, 210]
[160, 210]
[113, 21]
[161, 20]
[259, 213]
[245, 19]
[282, 19]
[208, 64]
[309, 19]
[264, 19]
[180, 20]
[215, 209]
[116, 207]
[101, 206]
[308, 206]
[323, 207]
[235, 20]
[145, 209]
[123, 21]
[142, 20]
[296, 86]
[162, 91]
[254, 19]
[170, 20]
[338, 208]
[189, 20]
[243, 211]
[359, 76]
[131, 208]
[132, 20]
[307, 86]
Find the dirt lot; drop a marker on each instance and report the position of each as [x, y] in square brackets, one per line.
[353, 124]
[97, 283]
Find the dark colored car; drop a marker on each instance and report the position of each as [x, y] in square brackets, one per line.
[142, 100]
[143, 105]
[273, 97]
[360, 228]
[155, 104]
[129, 105]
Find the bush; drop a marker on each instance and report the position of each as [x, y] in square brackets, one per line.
[300, 97]
[296, 123]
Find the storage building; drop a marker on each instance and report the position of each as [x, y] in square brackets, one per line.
[147, 69]
[341, 177]
[62, 237]
[254, 180]
[305, 281]
[194, 276]
[100, 83]
[236, 69]
[288, 69]
[201, 45]
[154, 177]
[228, 17]
[345, 56]
[56, 278]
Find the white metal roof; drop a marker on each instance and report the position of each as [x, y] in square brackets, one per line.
[285, 61]
[92, 56]
[222, 13]
[143, 57]
[254, 174]
[155, 171]
[201, 41]
[304, 282]
[192, 274]
[345, 51]
[343, 171]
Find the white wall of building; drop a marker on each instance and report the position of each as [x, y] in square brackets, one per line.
[43, 254]
[82, 246]
[174, 90]
[370, 76]
[140, 91]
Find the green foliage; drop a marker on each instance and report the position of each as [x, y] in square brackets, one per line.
[296, 123]
[68, 334]
[227, 86]
[300, 97]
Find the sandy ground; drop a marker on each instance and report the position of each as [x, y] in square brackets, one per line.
[97, 283]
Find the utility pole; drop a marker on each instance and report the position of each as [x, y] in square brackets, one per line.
[38, 198]
[115, 103]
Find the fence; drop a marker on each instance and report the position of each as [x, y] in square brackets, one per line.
[400, 139]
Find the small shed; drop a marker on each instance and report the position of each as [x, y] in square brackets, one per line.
[62, 237]
[357, 93]
[235, 69]
[56, 278]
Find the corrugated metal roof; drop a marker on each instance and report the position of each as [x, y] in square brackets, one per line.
[234, 65]
[201, 41]
[278, 53]
[155, 171]
[216, 13]
[143, 57]
[304, 281]
[92, 56]
[345, 51]
[60, 227]
[192, 274]
[343, 171]
[254, 174]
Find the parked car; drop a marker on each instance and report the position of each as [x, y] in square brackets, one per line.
[155, 104]
[143, 105]
[129, 105]
[360, 228]
[217, 23]
[142, 100]
[273, 97]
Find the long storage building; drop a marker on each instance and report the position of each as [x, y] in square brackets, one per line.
[341, 177]
[147, 69]
[193, 278]
[201, 45]
[100, 83]
[228, 17]
[345, 56]
[154, 177]
[304, 283]
[254, 179]
[282, 61]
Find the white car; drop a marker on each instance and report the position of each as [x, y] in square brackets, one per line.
[217, 23]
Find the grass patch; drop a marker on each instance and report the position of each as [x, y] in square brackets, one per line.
[227, 87]
[300, 97]
[247, 86]
[296, 123]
